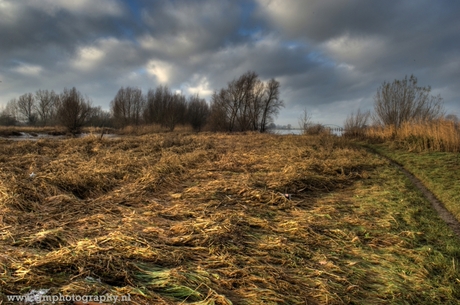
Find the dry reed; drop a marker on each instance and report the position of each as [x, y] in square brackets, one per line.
[193, 219]
[440, 135]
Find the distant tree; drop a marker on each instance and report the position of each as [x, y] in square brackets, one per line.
[218, 115]
[316, 129]
[127, 106]
[197, 112]
[175, 111]
[305, 121]
[156, 104]
[26, 108]
[7, 120]
[402, 101]
[73, 110]
[247, 102]
[100, 118]
[10, 114]
[452, 117]
[46, 106]
[271, 104]
[355, 124]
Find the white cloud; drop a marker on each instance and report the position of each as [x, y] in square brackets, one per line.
[199, 84]
[8, 12]
[160, 69]
[105, 53]
[88, 58]
[28, 70]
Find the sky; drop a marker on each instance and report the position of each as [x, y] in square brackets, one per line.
[330, 56]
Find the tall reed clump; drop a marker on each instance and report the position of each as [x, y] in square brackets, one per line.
[439, 135]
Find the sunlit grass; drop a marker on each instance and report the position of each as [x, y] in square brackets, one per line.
[184, 218]
[439, 171]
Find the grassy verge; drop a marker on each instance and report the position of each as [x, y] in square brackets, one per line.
[204, 219]
[439, 171]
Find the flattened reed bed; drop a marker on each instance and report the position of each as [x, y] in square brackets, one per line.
[204, 219]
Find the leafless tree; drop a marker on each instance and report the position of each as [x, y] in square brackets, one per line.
[355, 124]
[403, 101]
[128, 106]
[452, 117]
[305, 121]
[175, 111]
[46, 105]
[73, 110]
[26, 108]
[218, 115]
[156, 104]
[10, 113]
[197, 112]
[248, 103]
[271, 104]
[100, 118]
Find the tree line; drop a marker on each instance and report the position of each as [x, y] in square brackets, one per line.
[247, 103]
[396, 103]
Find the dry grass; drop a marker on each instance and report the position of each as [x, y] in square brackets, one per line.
[7, 131]
[441, 135]
[11, 131]
[204, 219]
[152, 129]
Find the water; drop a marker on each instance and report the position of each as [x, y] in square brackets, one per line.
[286, 131]
[299, 132]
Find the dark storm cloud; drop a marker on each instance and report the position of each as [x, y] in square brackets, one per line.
[330, 56]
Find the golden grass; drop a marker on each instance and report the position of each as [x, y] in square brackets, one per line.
[151, 129]
[440, 135]
[204, 219]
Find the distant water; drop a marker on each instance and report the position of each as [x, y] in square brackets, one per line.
[298, 132]
[286, 131]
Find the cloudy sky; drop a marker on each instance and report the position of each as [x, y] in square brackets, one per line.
[330, 56]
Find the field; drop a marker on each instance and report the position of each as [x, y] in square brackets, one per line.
[183, 218]
[438, 170]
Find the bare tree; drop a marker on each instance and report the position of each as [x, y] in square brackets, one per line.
[10, 113]
[197, 112]
[452, 117]
[156, 104]
[223, 111]
[247, 99]
[271, 104]
[73, 110]
[46, 105]
[175, 111]
[26, 108]
[100, 118]
[403, 101]
[305, 121]
[355, 124]
[248, 103]
[218, 115]
[128, 106]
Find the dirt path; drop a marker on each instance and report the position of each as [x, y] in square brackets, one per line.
[445, 215]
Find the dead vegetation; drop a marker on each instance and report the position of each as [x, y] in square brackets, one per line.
[439, 135]
[205, 219]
